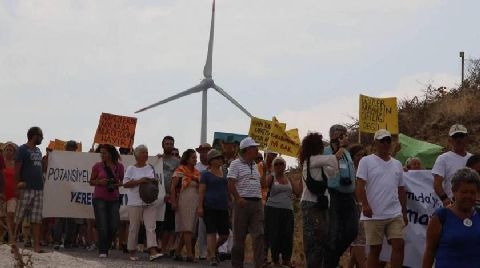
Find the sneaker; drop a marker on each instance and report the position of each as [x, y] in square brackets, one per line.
[92, 247]
[56, 246]
[155, 256]
[103, 255]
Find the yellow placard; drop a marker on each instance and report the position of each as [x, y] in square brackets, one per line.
[59, 145]
[378, 113]
[260, 130]
[281, 142]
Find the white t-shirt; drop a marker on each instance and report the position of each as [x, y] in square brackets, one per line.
[382, 181]
[200, 166]
[329, 163]
[446, 165]
[134, 173]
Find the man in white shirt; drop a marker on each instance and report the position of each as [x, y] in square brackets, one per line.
[381, 190]
[201, 166]
[448, 163]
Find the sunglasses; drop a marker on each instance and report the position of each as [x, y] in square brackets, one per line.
[459, 136]
[279, 164]
[176, 154]
[385, 140]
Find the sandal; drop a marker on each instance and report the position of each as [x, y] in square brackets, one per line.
[133, 258]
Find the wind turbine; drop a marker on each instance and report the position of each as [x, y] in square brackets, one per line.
[203, 87]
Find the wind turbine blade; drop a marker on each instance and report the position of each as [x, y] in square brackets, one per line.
[232, 100]
[207, 69]
[192, 90]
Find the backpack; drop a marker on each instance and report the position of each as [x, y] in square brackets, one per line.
[317, 187]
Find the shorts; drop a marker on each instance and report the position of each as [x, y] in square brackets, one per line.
[169, 220]
[216, 221]
[375, 230]
[29, 205]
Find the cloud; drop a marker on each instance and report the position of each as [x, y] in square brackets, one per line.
[64, 62]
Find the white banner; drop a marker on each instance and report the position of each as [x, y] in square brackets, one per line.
[67, 190]
[422, 201]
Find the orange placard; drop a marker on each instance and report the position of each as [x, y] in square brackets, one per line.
[116, 130]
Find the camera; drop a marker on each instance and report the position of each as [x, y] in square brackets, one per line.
[110, 185]
[345, 181]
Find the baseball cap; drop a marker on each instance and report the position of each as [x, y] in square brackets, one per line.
[212, 154]
[203, 146]
[382, 133]
[247, 142]
[457, 128]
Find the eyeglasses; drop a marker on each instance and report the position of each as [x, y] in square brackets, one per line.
[279, 164]
[175, 154]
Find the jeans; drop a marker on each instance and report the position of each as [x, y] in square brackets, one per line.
[107, 220]
[343, 224]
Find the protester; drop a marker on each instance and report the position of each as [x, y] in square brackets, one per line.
[202, 165]
[343, 208]
[176, 153]
[213, 204]
[474, 162]
[185, 204]
[279, 209]
[448, 163]
[381, 191]
[318, 168]
[9, 194]
[28, 174]
[413, 163]
[244, 184]
[170, 164]
[358, 257]
[138, 210]
[107, 176]
[65, 226]
[453, 233]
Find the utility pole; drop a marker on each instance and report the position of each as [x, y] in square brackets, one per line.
[462, 55]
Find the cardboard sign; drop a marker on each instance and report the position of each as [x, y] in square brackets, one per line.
[116, 130]
[59, 145]
[281, 142]
[378, 113]
[260, 130]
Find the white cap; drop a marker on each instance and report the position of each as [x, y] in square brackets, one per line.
[382, 133]
[457, 128]
[247, 142]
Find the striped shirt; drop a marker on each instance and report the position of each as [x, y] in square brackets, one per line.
[246, 178]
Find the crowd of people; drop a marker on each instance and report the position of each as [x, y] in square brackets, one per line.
[350, 199]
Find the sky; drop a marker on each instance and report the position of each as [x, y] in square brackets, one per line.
[64, 62]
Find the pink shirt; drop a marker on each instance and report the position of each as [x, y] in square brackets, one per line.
[101, 192]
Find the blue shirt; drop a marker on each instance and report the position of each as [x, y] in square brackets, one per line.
[346, 170]
[31, 171]
[459, 245]
[216, 192]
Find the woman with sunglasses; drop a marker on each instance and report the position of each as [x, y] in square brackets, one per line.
[278, 209]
